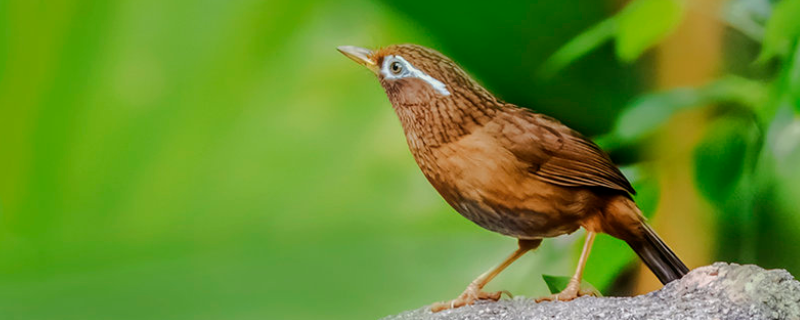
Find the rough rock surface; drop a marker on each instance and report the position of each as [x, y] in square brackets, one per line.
[719, 291]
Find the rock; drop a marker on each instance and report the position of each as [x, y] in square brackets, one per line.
[719, 291]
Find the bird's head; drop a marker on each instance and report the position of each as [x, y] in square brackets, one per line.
[413, 75]
[436, 101]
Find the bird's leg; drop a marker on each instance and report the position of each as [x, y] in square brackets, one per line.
[573, 289]
[474, 289]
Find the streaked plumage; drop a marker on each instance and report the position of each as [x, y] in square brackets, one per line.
[506, 168]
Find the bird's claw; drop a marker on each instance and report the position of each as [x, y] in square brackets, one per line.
[468, 297]
[572, 291]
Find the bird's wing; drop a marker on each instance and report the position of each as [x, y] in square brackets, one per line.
[562, 156]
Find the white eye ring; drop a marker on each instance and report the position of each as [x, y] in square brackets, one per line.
[395, 67]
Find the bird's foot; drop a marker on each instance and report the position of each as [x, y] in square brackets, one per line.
[468, 297]
[572, 291]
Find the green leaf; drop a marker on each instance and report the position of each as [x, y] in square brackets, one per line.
[643, 23]
[637, 27]
[749, 93]
[647, 113]
[721, 156]
[557, 283]
[782, 31]
[579, 47]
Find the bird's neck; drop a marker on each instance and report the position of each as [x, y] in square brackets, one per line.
[446, 119]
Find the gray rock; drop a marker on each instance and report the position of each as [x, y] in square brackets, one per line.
[719, 291]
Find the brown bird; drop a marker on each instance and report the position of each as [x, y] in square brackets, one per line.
[508, 169]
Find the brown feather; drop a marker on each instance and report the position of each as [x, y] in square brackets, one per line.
[511, 170]
[560, 155]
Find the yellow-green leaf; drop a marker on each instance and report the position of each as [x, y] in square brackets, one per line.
[643, 23]
[782, 30]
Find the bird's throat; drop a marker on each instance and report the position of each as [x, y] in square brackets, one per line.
[442, 121]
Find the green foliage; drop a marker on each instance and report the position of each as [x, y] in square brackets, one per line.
[725, 154]
[735, 168]
[649, 112]
[183, 160]
[578, 47]
[782, 31]
[644, 23]
[747, 17]
[639, 26]
[555, 283]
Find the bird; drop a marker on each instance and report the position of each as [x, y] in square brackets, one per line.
[507, 168]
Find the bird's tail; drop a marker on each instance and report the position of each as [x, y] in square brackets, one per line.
[658, 256]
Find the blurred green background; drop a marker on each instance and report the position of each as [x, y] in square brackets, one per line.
[220, 160]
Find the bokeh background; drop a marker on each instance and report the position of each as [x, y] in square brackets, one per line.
[220, 160]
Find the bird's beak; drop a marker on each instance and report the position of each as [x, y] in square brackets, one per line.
[361, 56]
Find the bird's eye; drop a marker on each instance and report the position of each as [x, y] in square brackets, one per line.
[396, 67]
